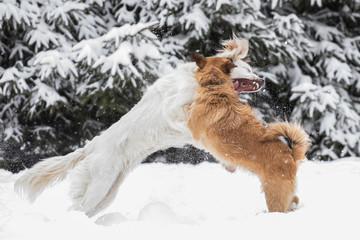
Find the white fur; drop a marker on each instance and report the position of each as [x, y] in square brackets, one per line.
[229, 51]
[156, 122]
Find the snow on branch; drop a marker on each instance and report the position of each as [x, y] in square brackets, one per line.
[65, 12]
[117, 51]
[10, 10]
[197, 19]
[47, 62]
[288, 25]
[45, 93]
[42, 36]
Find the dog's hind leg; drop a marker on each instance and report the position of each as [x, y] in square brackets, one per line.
[110, 196]
[88, 192]
[279, 194]
[187, 109]
[96, 180]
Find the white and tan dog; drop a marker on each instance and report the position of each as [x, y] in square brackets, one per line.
[156, 122]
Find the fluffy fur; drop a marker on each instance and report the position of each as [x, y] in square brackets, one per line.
[229, 130]
[156, 122]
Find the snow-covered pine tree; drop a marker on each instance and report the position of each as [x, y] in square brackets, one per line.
[328, 95]
[116, 68]
[68, 70]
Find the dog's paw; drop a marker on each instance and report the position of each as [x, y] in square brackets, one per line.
[294, 204]
[229, 168]
[295, 200]
[187, 107]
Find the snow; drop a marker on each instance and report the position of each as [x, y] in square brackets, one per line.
[62, 11]
[162, 201]
[42, 36]
[45, 93]
[336, 69]
[51, 60]
[322, 98]
[197, 18]
[118, 33]
[305, 86]
[88, 49]
[287, 25]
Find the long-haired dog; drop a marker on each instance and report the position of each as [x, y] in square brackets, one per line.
[229, 130]
[156, 122]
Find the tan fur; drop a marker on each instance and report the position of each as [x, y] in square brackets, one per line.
[51, 171]
[234, 48]
[230, 131]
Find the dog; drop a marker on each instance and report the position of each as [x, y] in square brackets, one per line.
[156, 122]
[228, 129]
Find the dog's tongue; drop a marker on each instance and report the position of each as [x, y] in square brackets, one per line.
[236, 85]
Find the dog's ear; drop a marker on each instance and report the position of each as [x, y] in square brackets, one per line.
[228, 66]
[234, 48]
[199, 59]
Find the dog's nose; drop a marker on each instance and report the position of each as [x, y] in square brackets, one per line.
[261, 82]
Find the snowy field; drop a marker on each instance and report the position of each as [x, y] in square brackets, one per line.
[159, 201]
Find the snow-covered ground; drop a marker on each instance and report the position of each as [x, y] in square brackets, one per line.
[159, 201]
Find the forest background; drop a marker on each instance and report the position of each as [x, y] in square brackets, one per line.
[69, 69]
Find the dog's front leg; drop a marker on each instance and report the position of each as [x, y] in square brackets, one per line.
[279, 194]
[190, 122]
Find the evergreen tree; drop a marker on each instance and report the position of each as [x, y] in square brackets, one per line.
[68, 70]
[327, 88]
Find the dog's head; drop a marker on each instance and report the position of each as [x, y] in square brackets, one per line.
[244, 80]
[213, 70]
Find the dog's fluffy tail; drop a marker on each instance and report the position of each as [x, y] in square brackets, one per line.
[299, 139]
[45, 173]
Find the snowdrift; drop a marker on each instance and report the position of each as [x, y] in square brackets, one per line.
[160, 201]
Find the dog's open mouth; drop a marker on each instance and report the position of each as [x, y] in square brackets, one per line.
[247, 85]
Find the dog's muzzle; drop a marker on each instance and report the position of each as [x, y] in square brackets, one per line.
[242, 85]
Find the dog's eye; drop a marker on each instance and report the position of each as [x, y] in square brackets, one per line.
[230, 59]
